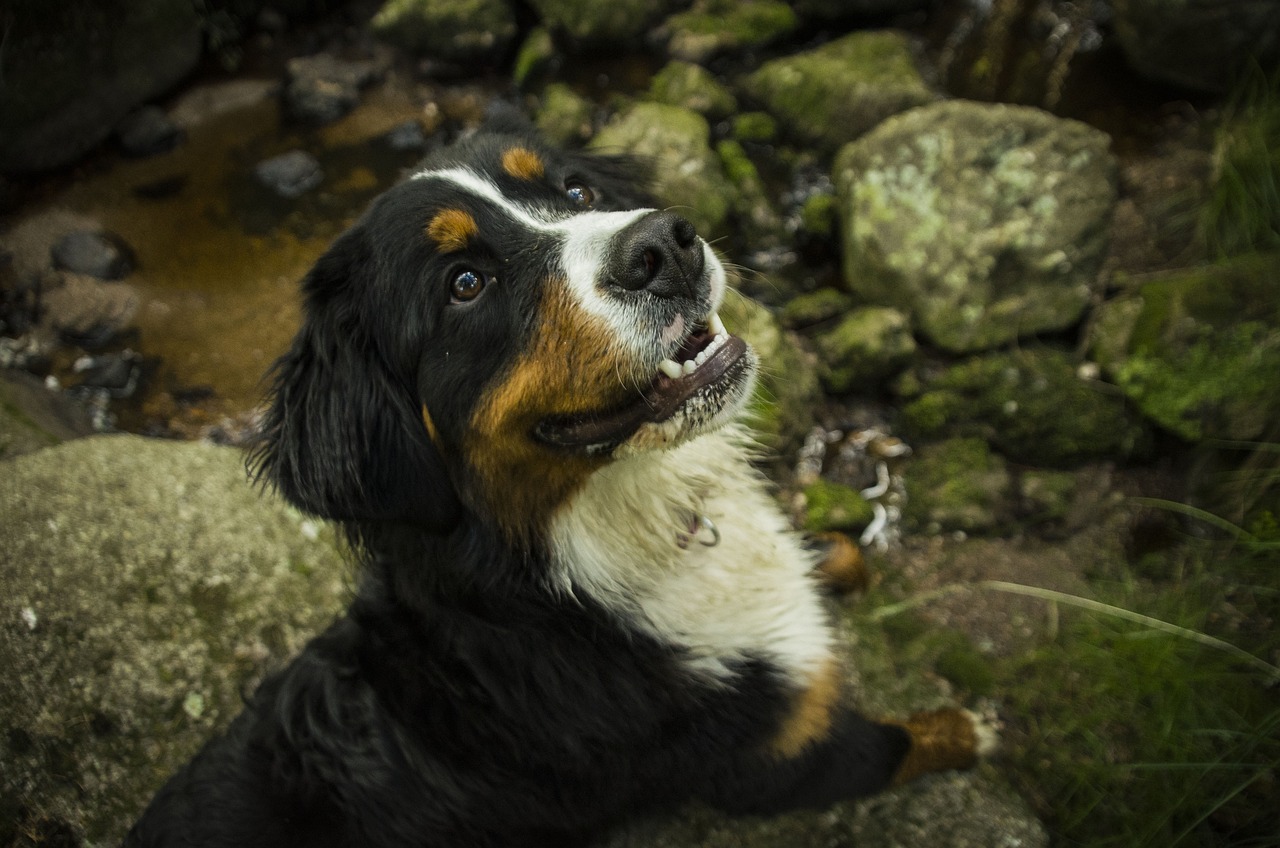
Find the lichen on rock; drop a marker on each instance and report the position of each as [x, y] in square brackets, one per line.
[867, 346]
[985, 222]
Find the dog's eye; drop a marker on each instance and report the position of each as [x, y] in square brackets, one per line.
[579, 193]
[467, 286]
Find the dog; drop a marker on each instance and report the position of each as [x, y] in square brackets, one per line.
[578, 601]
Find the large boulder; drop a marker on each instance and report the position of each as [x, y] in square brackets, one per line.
[1033, 405]
[984, 222]
[145, 589]
[73, 70]
[833, 94]
[1200, 44]
[687, 172]
[1198, 350]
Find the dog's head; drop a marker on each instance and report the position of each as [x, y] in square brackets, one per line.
[491, 332]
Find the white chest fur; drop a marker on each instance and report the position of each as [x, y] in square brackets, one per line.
[752, 593]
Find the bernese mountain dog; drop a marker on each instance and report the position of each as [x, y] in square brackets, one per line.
[578, 601]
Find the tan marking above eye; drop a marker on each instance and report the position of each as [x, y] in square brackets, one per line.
[523, 164]
[450, 229]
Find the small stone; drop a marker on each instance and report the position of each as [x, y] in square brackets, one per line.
[96, 253]
[407, 136]
[290, 174]
[693, 87]
[321, 89]
[148, 131]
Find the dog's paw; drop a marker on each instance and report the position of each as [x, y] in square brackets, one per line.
[948, 738]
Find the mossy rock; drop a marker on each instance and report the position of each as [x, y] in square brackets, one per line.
[447, 29]
[835, 93]
[693, 87]
[815, 307]
[146, 586]
[32, 417]
[687, 172]
[958, 484]
[788, 390]
[868, 346]
[536, 55]
[758, 223]
[984, 222]
[719, 26]
[753, 126]
[599, 24]
[835, 506]
[564, 116]
[1198, 350]
[1030, 404]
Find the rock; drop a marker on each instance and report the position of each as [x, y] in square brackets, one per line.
[592, 24]
[958, 484]
[291, 174]
[565, 117]
[93, 252]
[145, 588]
[835, 506]
[449, 30]
[815, 308]
[407, 136]
[148, 131]
[321, 89]
[206, 102]
[1200, 44]
[87, 311]
[867, 347]
[788, 389]
[687, 172]
[693, 87]
[1198, 350]
[985, 222]
[32, 417]
[72, 70]
[833, 94]
[754, 126]
[1031, 404]
[116, 373]
[720, 26]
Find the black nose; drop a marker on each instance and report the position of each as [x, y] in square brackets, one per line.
[659, 253]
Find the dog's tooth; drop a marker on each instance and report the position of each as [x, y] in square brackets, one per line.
[671, 368]
[716, 326]
[690, 366]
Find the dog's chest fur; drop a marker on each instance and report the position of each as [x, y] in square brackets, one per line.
[749, 596]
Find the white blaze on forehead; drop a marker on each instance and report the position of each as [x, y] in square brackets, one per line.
[584, 239]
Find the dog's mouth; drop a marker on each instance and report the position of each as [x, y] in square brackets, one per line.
[709, 370]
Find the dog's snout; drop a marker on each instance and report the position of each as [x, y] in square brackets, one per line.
[659, 253]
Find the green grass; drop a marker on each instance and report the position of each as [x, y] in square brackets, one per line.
[1243, 210]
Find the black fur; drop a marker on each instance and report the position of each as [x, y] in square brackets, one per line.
[459, 701]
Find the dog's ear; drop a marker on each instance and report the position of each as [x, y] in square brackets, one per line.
[343, 437]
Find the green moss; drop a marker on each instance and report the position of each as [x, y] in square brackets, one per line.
[737, 165]
[1031, 405]
[958, 484]
[754, 126]
[818, 215]
[693, 87]
[836, 92]
[816, 307]
[833, 506]
[564, 115]
[450, 29]
[865, 348]
[964, 666]
[719, 25]
[535, 53]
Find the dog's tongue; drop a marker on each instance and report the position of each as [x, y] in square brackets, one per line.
[662, 399]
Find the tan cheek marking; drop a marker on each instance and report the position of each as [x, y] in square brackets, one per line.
[811, 714]
[451, 229]
[842, 569]
[570, 367]
[523, 164]
[940, 740]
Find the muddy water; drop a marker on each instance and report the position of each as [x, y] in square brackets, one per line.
[220, 256]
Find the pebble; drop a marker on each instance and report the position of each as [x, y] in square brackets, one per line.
[149, 131]
[95, 253]
[321, 89]
[291, 174]
[407, 136]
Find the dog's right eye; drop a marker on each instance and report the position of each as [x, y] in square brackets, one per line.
[467, 285]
